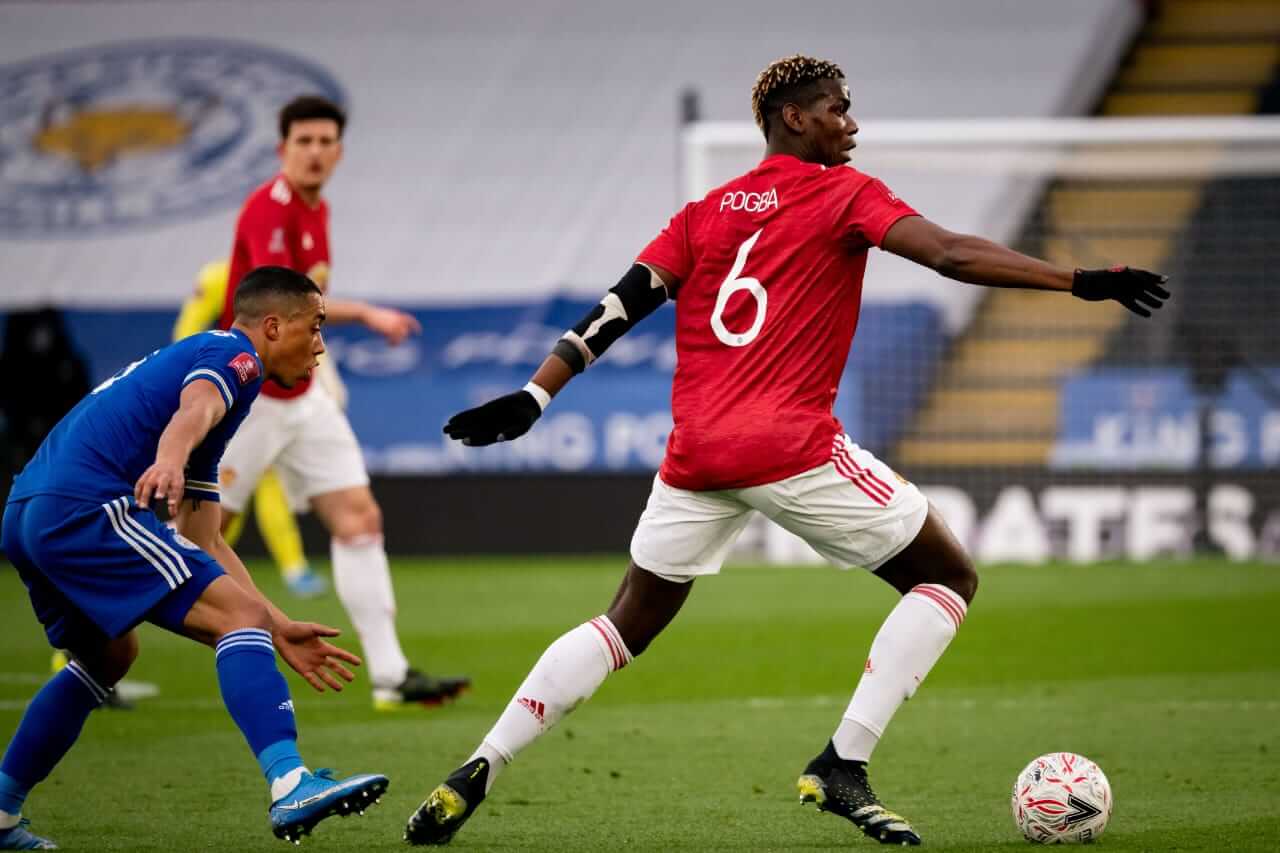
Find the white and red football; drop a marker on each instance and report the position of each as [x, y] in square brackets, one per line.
[1062, 798]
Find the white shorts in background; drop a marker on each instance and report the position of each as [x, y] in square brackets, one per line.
[307, 439]
[853, 510]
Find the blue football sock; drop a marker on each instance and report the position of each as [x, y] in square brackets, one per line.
[50, 725]
[257, 696]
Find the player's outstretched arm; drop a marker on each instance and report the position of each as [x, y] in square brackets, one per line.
[965, 257]
[303, 645]
[393, 325]
[636, 295]
[200, 408]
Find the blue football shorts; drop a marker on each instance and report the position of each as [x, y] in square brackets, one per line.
[94, 571]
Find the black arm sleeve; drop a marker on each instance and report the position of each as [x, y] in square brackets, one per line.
[636, 295]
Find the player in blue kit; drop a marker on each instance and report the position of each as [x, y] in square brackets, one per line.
[97, 561]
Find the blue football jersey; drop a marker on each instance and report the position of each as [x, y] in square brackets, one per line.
[100, 449]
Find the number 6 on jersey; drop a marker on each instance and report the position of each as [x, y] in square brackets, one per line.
[731, 285]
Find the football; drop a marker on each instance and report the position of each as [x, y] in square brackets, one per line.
[1061, 798]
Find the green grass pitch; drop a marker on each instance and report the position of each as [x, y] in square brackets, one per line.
[1168, 675]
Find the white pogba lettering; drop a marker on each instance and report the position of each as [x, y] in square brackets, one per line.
[750, 202]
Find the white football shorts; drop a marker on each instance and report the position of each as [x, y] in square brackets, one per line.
[307, 439]
[854, 510]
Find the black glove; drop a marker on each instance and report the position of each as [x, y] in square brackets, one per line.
[504, 419]
[1137, 290]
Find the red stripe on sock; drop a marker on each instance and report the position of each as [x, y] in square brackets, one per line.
[623, 654]
[952, 596]
[948, 606]
[942, 603]
[608, 641]
[946, 598]
[957, 607]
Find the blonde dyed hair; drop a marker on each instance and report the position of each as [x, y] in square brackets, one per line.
[780, 77]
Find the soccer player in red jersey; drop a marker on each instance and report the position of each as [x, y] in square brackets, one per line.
[302, 431]
[766, 272]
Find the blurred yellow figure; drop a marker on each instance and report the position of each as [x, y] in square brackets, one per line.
[275, 520]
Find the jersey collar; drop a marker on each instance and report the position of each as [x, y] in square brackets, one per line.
[295, 195]
[787, 161]
[245, 339]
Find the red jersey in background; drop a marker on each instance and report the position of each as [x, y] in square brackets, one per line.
[277, 228]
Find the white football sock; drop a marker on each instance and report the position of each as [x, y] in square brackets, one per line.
[496, 760]
[908, 644]
[569, 671]
[362, 579]
[282, 785]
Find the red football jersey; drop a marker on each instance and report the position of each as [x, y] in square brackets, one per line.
[771, 269]
[276, 227]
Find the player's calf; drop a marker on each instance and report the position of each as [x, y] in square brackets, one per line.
[644, 605]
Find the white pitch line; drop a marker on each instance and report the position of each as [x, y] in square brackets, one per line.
[23, 678]
[1014, 703]
[127, 689]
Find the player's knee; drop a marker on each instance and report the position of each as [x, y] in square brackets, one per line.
[936, 557]
[112, 662]
[361, 520]
[371, 518]
[963, 579]
[120, 660]
[350, 514]
[248, 613]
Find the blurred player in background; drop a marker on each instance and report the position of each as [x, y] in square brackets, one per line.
[97, 560]
[271, 509]
[767, 275]
[301, 431]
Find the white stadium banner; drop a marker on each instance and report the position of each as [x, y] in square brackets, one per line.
[495, 148]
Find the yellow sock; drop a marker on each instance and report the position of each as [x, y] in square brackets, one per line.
[234, 529]
[278, 527]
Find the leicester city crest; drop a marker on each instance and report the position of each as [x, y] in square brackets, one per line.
[136, 134]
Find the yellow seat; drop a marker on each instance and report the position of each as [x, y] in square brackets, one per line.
[991, 411]
[1212, 103]
[1003, 360]
[1227, 66]
[1104, 250]
[996, 398]
[963, 452]
[1013, 312]
[1099, 208]
[1243, 19]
